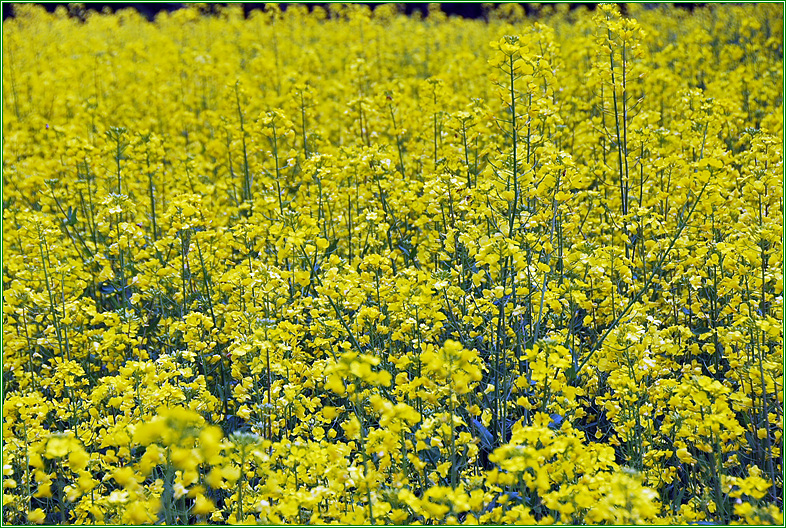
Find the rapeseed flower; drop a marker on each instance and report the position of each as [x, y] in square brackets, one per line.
[344, 265]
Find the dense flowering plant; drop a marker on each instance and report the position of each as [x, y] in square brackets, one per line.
[349, 266]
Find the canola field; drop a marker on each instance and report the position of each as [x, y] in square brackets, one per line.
[349, 266]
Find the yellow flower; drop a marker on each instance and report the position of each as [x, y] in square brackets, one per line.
[685, 456]
[184, 459]
[351, 428]
[86, 482]
[36, 516]
[44, 490]
[125, 476]
[230, 473]
[214, 478]
[330, 412]
[148, 432]
[140, 512]
[77, 458]
[388, 259]
[210, 442]
[202, 505]
[58, 447]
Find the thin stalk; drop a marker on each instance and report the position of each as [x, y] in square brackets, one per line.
[514, 133]
[555, 207]
[151, 192]
[466, 153]
[398, 142]
[274, 142]
[246, 172]
[55, 320]
[303, 123]
[655, 270]
[623, 198]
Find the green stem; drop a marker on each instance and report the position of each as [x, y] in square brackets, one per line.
[246, 172]
[656, 269]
